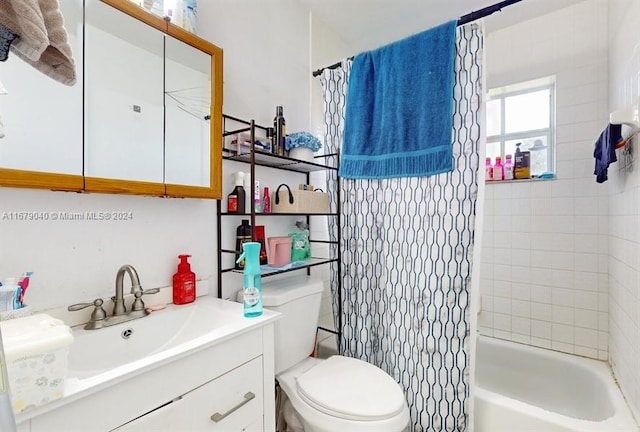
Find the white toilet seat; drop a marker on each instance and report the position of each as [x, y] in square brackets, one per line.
[351, 389]
[317, 395]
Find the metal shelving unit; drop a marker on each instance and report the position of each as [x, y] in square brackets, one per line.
[253, 158]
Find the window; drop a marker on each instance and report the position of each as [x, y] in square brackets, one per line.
[523, 113]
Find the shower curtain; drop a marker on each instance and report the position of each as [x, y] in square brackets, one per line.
[406, 248]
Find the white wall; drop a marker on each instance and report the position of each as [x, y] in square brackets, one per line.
[544, 258]
[624, 240]
[266, 57]
[266, 63]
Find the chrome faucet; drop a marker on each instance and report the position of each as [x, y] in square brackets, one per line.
[99, 317]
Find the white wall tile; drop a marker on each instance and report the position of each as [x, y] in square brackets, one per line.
[587, 300]
[586, 338]
[562, 315]
[586, 319]
[562, 333]
[568, 348]
[521, 308]
[562, 297]
[562, 242]
[540, 342]
[586, 352]
[559, 230]
[502, 322]
[502, 305]
[541, 294]
[521, 326]
[541, 329]
[541, 311]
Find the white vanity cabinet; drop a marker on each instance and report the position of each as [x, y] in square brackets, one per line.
[231, 402]
[226, 387]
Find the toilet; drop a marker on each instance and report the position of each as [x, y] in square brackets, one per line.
[336, 394]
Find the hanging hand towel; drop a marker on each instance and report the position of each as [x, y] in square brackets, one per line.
[605, 150]
[42, 37]
[399, 112]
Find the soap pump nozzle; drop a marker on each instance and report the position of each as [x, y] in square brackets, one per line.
[184, 264]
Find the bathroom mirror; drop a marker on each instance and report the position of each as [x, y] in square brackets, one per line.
[187, 98]
[124, 104]
[119, 129]
[42, 118]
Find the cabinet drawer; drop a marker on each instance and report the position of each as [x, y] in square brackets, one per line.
[232, 402]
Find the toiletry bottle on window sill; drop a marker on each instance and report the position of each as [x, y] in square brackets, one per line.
[498, 169]
[488, 169]
[508, 168]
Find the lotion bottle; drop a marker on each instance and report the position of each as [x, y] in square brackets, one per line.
[251, 281]
[184, 282]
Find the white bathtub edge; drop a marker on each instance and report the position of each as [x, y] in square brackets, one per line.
[621, 421]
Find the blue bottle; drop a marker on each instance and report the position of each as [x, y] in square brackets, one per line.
[252, 283]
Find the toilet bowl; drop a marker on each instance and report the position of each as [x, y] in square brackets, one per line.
[333, 395]
[344, 394]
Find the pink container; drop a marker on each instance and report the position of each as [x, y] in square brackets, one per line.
[279, 251]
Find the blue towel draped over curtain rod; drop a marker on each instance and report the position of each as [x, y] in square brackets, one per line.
[399, 112]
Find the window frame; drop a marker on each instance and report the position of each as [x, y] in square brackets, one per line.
[526, 87]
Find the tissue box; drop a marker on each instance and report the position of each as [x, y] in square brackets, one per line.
[36, 349]
[285, 200]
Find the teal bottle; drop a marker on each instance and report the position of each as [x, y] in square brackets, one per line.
[252, 283]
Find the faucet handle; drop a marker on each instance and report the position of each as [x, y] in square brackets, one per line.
[98, 313]
[150, 291]
[138, 304]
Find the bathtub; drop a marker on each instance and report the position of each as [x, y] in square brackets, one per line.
[526, 389]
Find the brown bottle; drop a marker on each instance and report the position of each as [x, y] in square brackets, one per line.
[236, 199]
[243, 235]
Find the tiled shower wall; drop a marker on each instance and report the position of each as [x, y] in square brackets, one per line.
[624, 217]
[544, 257]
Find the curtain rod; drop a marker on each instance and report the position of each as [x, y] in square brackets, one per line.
[470, 17]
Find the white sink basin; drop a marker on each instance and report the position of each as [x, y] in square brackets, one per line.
[158, 336]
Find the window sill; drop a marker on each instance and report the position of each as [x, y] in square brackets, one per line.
[529, 180]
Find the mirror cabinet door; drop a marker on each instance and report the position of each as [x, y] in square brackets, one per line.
[124, 113]
[187, 98]
[42, 118]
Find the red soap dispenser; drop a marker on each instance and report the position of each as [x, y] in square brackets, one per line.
[184, 282]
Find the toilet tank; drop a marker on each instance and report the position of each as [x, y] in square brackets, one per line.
[298, 300]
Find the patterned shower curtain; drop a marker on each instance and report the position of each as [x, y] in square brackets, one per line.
[406, 248]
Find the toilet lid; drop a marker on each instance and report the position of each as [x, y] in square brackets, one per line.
[351, 389]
